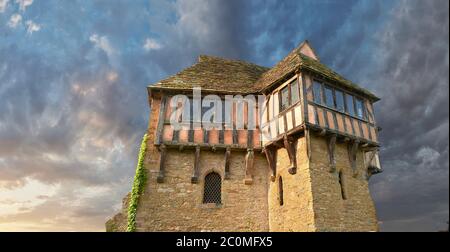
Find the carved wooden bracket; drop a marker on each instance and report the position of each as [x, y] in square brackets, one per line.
[308, 143]
[370, 170]
[331, 148]
[162, 160]
[291, 146]
[352, 149]
[195, 175]
[227, 162]
[271, 155]
[249, 162]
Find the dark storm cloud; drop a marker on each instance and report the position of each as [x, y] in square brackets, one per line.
[413, 79]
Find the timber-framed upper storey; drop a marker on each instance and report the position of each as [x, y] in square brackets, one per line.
[301, 96]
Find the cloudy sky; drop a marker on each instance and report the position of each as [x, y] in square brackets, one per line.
[73, 104]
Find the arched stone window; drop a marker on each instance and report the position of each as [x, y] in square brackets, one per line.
[280, 190]
[213, 189]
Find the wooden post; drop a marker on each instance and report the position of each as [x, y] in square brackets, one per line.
[195, 175]
[352, 149]
[227, 162]
[308, 142]
[249, 162]
[162, 160]
[271, 159]
[162, 113]
[291, 146]
[331, 148]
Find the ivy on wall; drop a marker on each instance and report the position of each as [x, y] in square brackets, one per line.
[140, 179]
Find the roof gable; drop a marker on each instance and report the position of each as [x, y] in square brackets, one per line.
[221, 75]
[214, 73]
[306, 49]
[304, 57]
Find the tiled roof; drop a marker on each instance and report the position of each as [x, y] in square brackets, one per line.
[214, 73]
[235, 76]
[295, 60]
[316, 67]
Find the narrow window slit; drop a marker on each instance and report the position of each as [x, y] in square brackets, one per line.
[342, 185]
[280, 191]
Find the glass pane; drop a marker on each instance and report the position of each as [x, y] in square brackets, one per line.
[329, 97]
[317, 92]
[359, 108]
[284, 98]
[295, 97]
[205, 107]
[339, 101]
[350, 106]
[186, 114]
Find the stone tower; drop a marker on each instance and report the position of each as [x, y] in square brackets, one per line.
[297, 159]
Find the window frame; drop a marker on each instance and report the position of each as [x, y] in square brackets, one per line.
[315, 82]
[347, 107]
[288, 86]
[324, 88]
[363, 110]
[204, 200]
[323, 84]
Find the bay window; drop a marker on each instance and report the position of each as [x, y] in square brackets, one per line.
[289, 95]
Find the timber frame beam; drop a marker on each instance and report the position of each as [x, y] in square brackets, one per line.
[227, 162]
[352, 149]
[196, 173]
[331, 144]
[249, 163]
[271, 155]
[290, 144]
[162, 160]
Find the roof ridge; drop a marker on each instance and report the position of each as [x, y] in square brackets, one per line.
[205, 58]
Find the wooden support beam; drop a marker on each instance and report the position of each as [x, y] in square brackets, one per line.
[162, 160]
[322, 132]
[221, 135]
[279, 143]
[308, 143]
[331, 148]
[176, 136]
[290, 145]
[205, 135]
[250, 139]
[364, 145]
[235, 135]
[162, 113]
[227, 162]
[195, 175]
[352, 149]
[249, 162]
[303, 97]
[370, 168]
[271, 155]
[191, 133]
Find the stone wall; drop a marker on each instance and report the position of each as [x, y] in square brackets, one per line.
[296, 213]
[312, 198]
[332, 213]
[176, 204]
